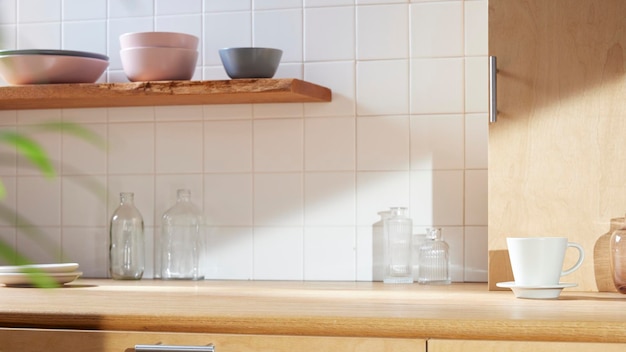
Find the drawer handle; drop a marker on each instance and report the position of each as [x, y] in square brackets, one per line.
[493, 88]
[173, 348]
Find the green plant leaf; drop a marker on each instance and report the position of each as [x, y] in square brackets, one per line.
[73, 129]
[3, 190]
[26, 227]
[38, 157]
[31, 150]
[38, 278]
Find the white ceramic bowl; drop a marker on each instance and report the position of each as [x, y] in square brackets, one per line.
[158, 39]
[158, 64]
[250, 62]
[21, 69]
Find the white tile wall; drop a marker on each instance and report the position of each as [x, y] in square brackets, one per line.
[292, 189]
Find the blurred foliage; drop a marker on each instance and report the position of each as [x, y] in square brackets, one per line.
[25, 144]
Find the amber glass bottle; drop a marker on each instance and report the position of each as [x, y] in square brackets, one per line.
[618, 258]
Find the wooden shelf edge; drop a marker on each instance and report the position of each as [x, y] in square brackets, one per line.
[92, 95]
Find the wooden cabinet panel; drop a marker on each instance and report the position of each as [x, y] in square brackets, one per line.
[520, 346]
[37, 340]
[556, 160]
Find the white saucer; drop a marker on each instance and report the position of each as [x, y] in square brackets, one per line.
[25, 280]
[536, 292]
[46, 268]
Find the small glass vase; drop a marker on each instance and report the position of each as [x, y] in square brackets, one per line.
[434, 259]
[398, 234]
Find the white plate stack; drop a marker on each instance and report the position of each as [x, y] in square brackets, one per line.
[20, 275]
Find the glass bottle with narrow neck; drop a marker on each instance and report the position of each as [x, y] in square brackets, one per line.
[182, 228]
[127, 248]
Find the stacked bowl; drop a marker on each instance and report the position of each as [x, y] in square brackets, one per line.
[43, 66]
[158, 56]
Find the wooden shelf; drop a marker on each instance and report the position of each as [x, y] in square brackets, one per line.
[90, 95]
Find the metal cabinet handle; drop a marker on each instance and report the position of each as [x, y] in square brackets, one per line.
[493, 89]
[172, 348]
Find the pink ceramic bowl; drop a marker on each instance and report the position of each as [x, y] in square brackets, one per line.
[158, 64]
[158, 39]
[42, 69]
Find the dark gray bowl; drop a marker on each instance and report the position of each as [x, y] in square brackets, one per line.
[250, 62]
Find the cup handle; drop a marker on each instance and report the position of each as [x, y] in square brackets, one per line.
[581, 257]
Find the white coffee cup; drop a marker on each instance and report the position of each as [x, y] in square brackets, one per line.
[538, 261]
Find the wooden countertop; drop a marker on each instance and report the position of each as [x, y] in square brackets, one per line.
[459, 311]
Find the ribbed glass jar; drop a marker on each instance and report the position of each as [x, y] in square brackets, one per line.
[434, 259]
[398, 231]
[378, 247]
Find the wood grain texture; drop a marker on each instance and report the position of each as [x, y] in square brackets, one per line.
[333, 309]
[556, 157]
[237, 91]
[37, 340]
[501, 271]
[509, 346]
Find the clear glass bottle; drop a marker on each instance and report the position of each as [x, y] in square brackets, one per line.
[182, 228]
[434, 259]
[398, 231]
[126, 248]
[378, 248]
[618, 258]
